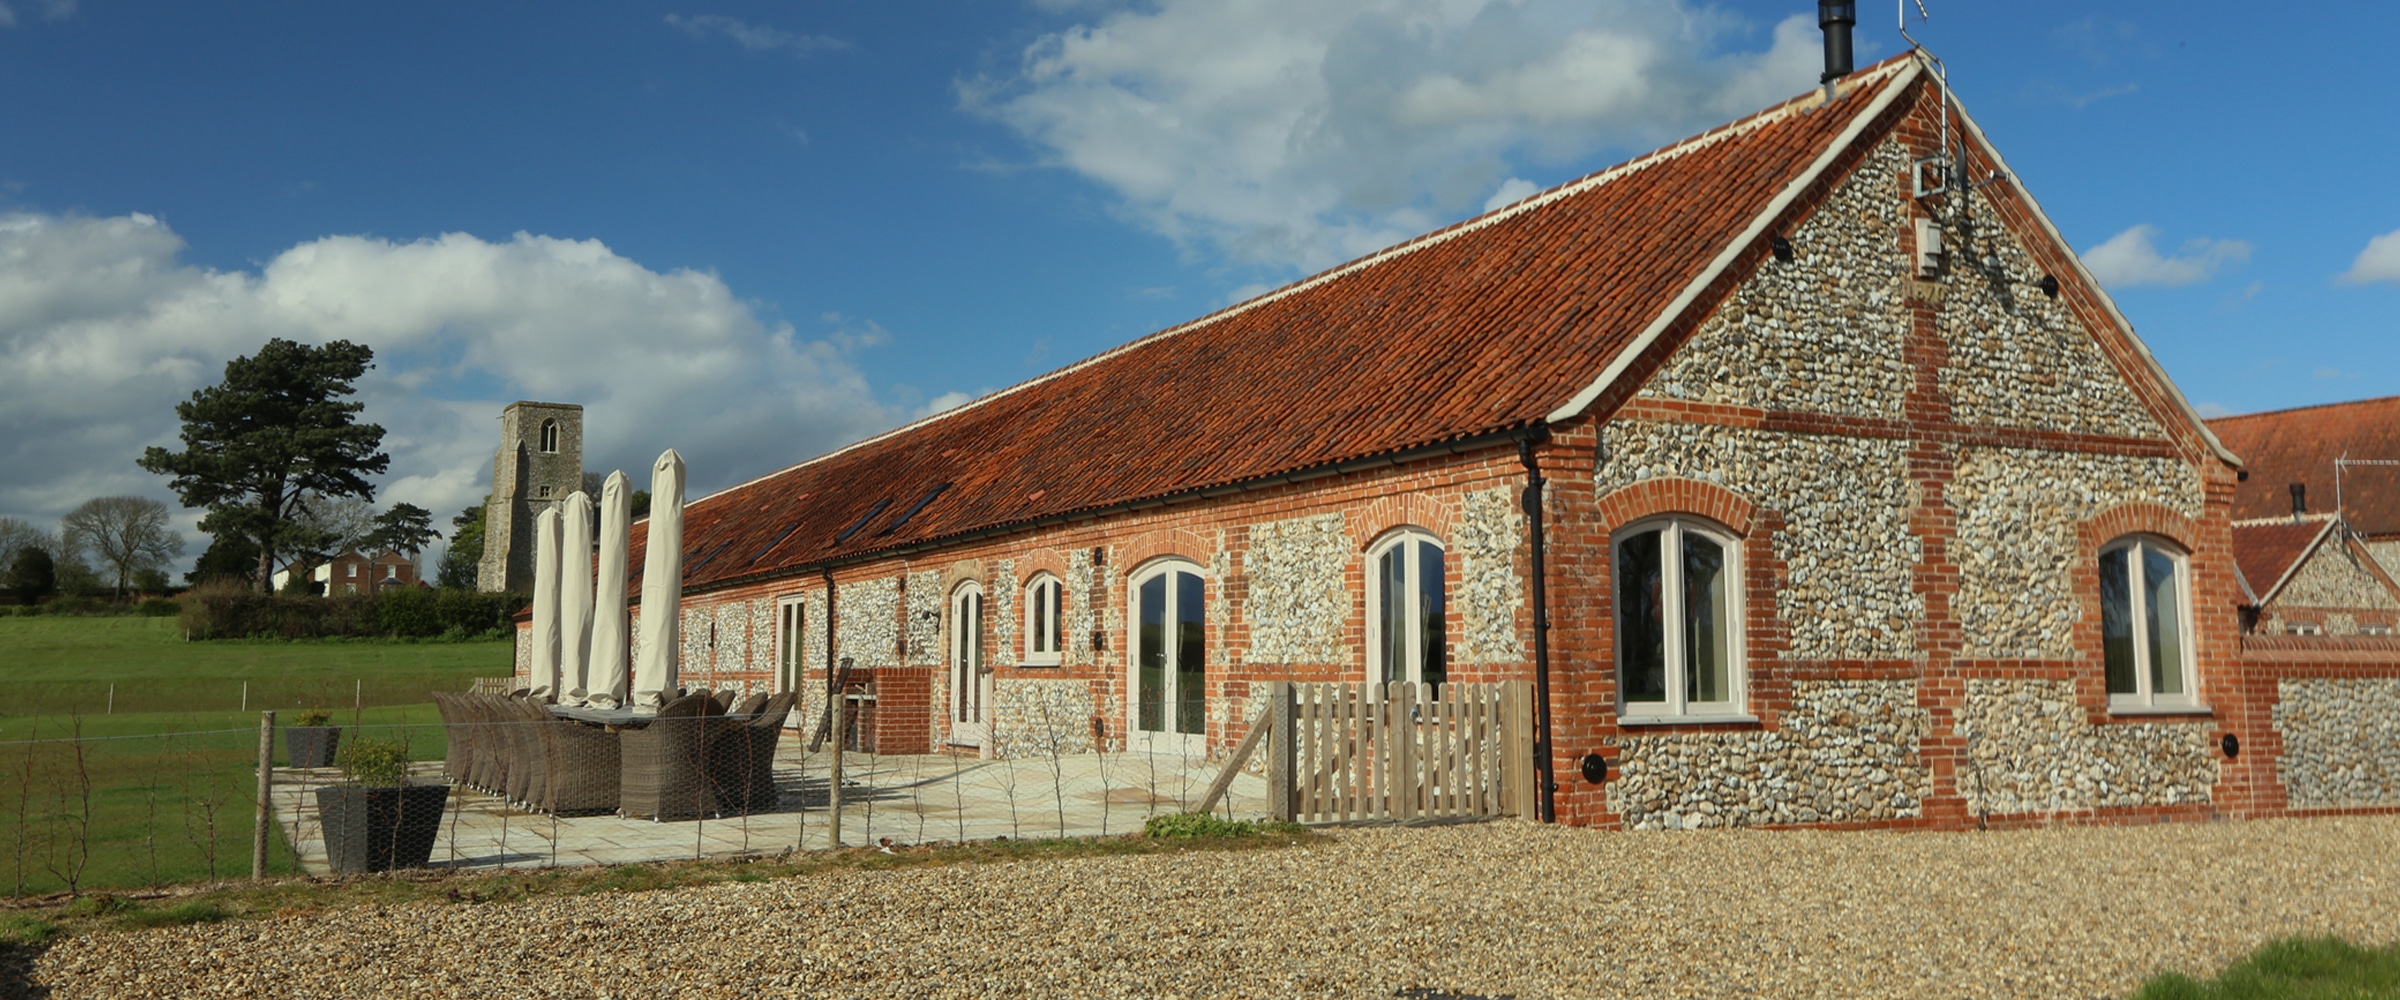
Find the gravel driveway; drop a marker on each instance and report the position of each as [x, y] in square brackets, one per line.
[1495, 909]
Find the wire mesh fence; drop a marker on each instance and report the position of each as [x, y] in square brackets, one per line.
[504, 782]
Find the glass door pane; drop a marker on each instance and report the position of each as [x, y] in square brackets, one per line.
[1707, 638]
[1641, 618]
[1191, 658]
[1150, 657]
[1391, 613]
[2165, 601]
[1433, 666]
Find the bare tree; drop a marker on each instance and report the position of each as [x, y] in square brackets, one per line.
[128, 534]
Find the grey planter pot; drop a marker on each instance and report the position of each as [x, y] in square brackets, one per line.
[311, 746]
[380, 829]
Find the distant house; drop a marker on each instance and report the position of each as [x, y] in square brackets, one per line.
[1801, 458]
[356, 573]
[2316, 517]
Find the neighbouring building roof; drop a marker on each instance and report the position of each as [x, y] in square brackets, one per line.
[2283, 447]
[2265, 554]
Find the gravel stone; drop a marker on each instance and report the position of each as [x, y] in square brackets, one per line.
[1496, 909]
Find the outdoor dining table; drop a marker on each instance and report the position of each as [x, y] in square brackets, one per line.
[624, 717]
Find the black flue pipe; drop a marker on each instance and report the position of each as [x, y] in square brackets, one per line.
[1836, 20]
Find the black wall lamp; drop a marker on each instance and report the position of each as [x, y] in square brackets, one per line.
[2049, 285]
[1594, 767]
[2232, 745]
[1782, 248]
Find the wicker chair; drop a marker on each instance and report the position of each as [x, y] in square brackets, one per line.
[742, 756]
[487, 764]
[529, 759]
[586, 768]
[455, 751]
[664, 764]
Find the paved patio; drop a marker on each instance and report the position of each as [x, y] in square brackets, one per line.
[908, 799]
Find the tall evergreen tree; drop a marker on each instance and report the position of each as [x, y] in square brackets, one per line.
[278, 428]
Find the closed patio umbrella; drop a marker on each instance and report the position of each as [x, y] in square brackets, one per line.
[544, 672]
[662, 586]
[575, 598]
[605, 679]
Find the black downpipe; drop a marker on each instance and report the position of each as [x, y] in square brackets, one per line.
[1540, 433]
[833, 623]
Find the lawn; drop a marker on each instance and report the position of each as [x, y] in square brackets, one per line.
[2292, 969]
[159, 787]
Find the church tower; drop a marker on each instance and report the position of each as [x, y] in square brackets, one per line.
[540, 461]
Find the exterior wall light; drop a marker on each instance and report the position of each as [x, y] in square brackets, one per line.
[1783, 249]
[1595, 768]
[2050, 285]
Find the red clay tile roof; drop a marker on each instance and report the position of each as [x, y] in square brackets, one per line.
[2265, 552]
[1477, 329]
[2298, 446]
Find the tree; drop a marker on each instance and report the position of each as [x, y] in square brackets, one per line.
[464, 559]
[31, 576]
[128, 534]
[16, 535]
[405, 529]
[227, 557]
[275, 431]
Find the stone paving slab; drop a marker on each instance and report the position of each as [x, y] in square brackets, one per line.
[906, 798]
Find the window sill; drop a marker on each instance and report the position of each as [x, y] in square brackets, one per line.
[2198, 710]
[1687, 720]
[1041, 664]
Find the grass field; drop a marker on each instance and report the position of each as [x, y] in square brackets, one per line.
[159, 788]
[2292, 969]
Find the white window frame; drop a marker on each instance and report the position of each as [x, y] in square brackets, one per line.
[967, 662]
[791, 647]
[2143, 698]
[1168, 738]
[1044, 589]
[1677, 707]
[1406, 540]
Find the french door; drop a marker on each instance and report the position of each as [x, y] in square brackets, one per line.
[1169, 672]
[970, 677]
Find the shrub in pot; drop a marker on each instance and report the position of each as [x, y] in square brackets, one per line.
[377, 821]
[309, 742]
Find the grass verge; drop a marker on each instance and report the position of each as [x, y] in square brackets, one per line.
[2321, 968]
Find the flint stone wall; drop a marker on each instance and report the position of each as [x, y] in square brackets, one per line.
[925, 600]
[2334, 578]
[2341, 742]
[1038, 718]
[2018, 358]
[1485, 539]
[2031, 748]
[1823, 332]
[1845, 751]
[870, 622]
[1845, 543]
[2017, 548]
[1080, 620]
[1296, 603]
[1001, 606]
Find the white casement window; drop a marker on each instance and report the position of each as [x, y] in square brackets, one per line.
[2145, 624]
[1405, 600]
[791, 630]
[1044, 635]
[1679, 621]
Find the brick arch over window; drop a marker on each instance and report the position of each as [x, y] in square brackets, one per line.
[1408, 510]
[1180, 543]
[960, 572]
[1652, 497]
[2135, 519]
[1034, 561]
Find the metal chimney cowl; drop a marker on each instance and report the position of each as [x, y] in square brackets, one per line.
[1836, 19]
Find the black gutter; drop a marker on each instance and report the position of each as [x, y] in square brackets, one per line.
[1457, 446]
[1538, 434]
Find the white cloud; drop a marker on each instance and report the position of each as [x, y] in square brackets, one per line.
[2211, 411]
[2131, 258]
[2380, 261]
[755, 37]
[1306, 132]
[1512, 191]
[102, 330]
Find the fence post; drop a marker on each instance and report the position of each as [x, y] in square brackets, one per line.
[840, 710]
[1281, 794]
[266, 785]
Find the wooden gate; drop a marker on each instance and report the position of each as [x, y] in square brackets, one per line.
[1344, 752]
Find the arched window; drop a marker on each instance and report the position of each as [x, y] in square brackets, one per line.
[970, 679]
[2145, 623]
[1170, 655]
[550, 437]
[1679, 615]
[1044, 635]
[1406, 601]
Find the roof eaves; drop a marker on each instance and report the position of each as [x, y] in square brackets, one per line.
[1906, 72]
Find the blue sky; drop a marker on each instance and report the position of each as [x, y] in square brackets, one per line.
[756, 231]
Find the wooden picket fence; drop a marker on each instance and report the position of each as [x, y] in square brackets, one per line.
[1371, 751]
